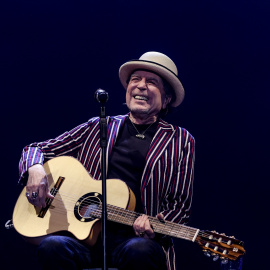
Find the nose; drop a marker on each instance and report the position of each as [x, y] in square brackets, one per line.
[142, 84]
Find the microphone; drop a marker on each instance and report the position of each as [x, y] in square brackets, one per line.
[101, 96]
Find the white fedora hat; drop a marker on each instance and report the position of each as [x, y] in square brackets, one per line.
[160, 64]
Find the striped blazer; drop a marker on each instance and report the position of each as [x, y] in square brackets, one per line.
[167, 180]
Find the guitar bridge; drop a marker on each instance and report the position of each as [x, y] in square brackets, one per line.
[54, 192]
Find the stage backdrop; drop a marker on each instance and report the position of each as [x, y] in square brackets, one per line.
[55, 54]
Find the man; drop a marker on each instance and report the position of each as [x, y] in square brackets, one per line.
[154, 158]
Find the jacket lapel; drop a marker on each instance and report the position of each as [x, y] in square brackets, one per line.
[162, 138]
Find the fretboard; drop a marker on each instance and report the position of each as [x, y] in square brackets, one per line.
[128, 217]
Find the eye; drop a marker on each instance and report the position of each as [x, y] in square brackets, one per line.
[153, 82]
[134, 79]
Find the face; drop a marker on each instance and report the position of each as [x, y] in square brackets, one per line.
[145, 95]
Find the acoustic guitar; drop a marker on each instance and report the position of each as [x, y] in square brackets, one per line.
[77, 208]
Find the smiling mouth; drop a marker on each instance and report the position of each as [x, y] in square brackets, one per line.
[141, 98]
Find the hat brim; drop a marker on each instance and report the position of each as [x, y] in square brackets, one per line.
[126, 70]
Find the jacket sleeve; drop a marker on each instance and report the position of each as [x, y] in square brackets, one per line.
[68, 143]
[178, 201]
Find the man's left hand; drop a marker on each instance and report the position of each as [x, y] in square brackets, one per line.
[143, 228]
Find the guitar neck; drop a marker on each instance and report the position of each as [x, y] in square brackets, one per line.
[127, 217]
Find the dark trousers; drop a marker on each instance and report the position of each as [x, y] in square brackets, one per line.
[63, 252]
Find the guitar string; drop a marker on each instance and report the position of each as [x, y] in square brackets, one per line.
[173, 231]
[187, 229]
[130, 214]
[177, 233]
[98, 213]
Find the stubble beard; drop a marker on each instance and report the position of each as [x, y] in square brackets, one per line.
[143, 115]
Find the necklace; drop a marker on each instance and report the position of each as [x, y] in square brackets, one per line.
[140, 135]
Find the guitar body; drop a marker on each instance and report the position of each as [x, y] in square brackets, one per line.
[67, 211]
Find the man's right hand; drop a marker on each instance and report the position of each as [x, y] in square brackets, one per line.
[37, 188]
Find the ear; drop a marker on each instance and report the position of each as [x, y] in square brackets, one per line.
[167, 100]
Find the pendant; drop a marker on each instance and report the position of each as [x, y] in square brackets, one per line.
[140, 136]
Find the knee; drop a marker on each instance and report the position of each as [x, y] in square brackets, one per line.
[141, 253]
[144, 249]
[140, 247]
[51, 245]
[51, 242]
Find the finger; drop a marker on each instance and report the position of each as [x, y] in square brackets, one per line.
[142, 221]
[42, 201]
[37, 202]
[34, 194]
[142, 227]
[149, 233]
[44, 191]
[138, 225]
[160, 216]
[31, 192]
[48, 193]
[34, 201]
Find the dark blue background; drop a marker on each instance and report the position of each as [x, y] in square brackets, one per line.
[55, 54]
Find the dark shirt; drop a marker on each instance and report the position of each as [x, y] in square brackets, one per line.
[128, 156]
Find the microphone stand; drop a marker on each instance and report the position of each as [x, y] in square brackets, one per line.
[102, 97]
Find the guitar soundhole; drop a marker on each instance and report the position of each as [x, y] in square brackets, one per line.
[88, 207]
